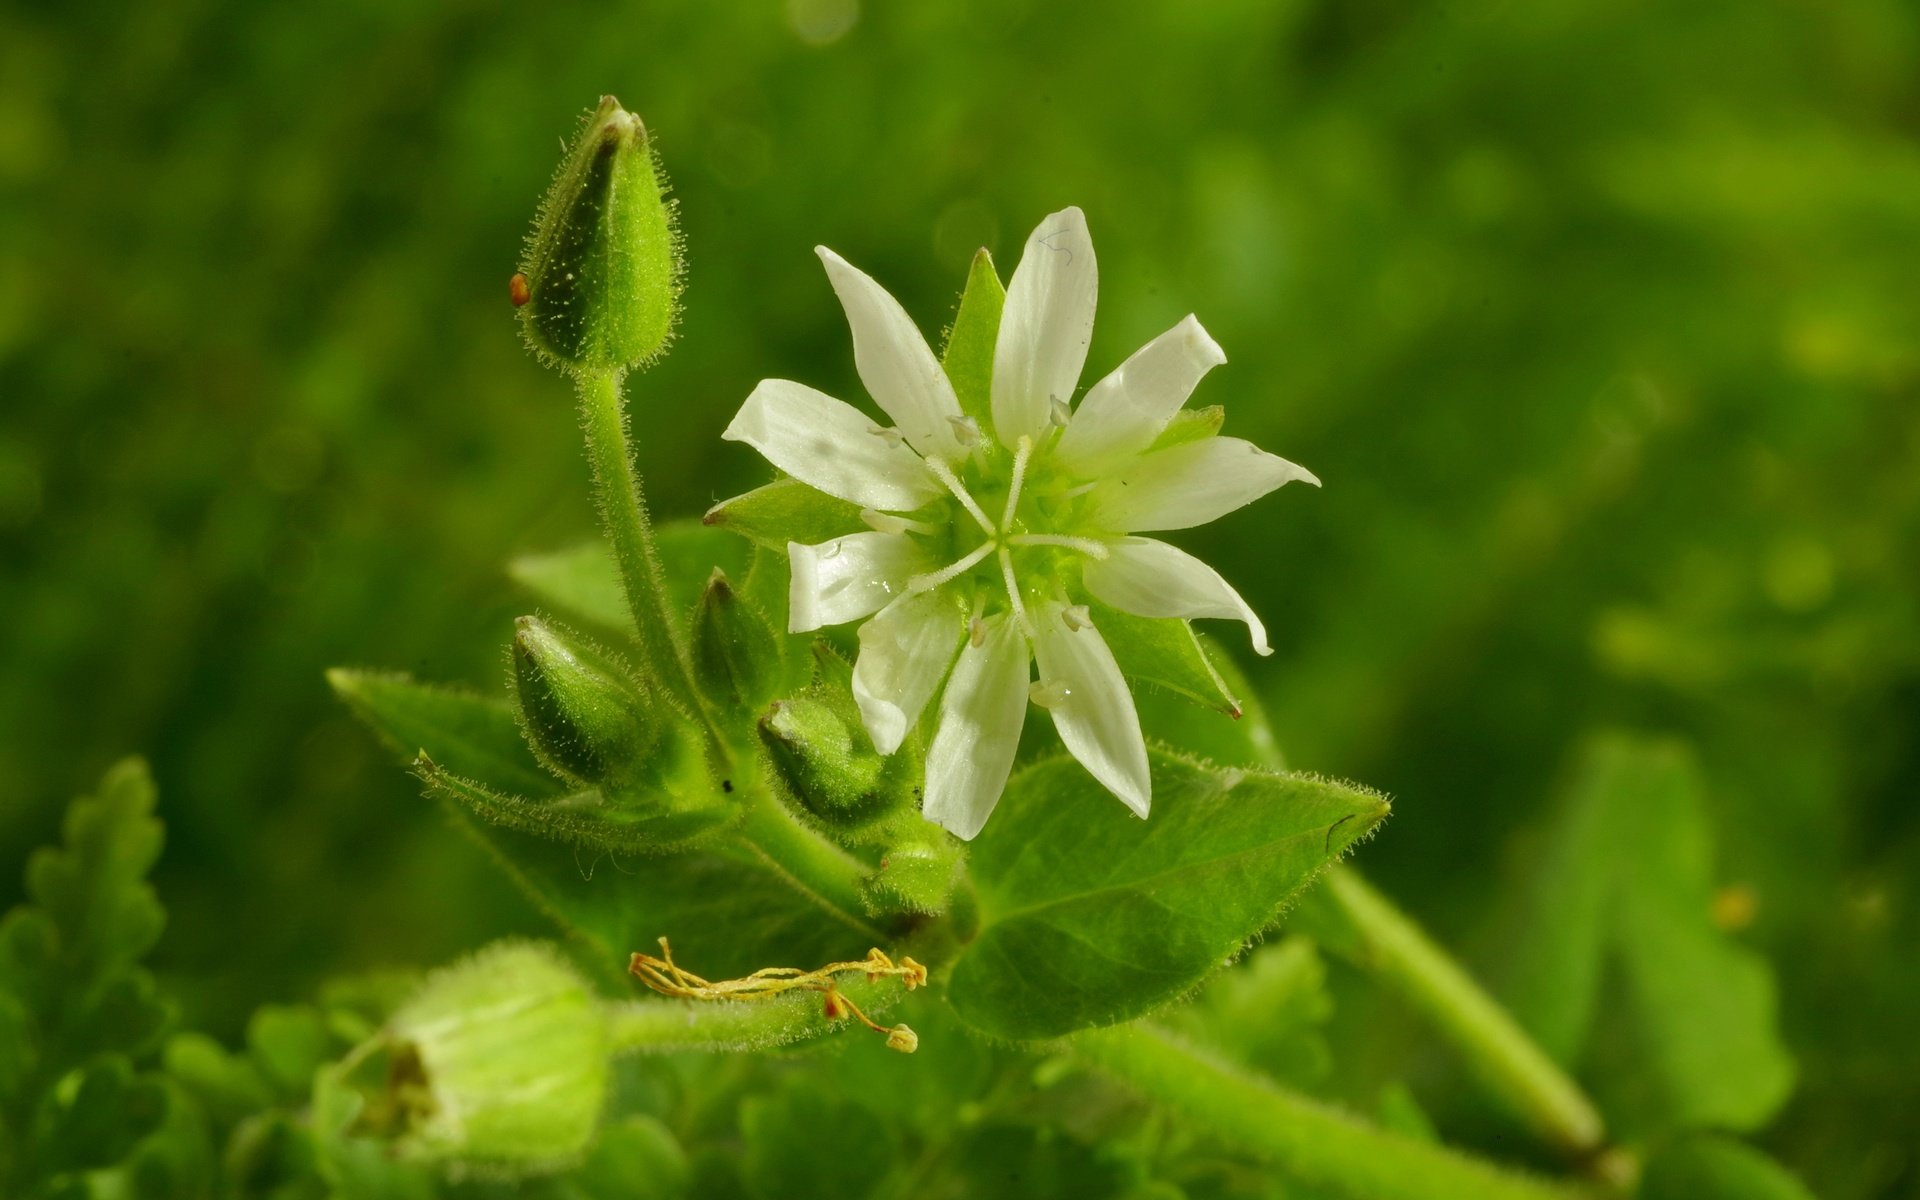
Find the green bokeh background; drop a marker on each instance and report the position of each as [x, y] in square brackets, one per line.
[1597, 317]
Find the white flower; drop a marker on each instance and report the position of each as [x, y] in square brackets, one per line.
[979, 539]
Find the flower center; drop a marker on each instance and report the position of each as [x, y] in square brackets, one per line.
[1003, 537]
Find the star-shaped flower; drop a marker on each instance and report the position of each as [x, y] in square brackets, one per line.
[980, 543]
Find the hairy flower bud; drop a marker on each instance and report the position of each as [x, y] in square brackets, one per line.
[736, 652]
[583, 714]
[602, 266]
[501, 1062]
[824, 760]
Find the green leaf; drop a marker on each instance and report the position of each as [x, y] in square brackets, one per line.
[1715, 1167]
[1165, 652]
[1268, 1012]
[803, 1142]
[783, 511]
[581, 582]
[469, 735]
[94, 889]
[968, 354]
[1089, 917]
[1628, 877]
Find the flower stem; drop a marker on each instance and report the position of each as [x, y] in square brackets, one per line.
[623, 511]
[671, 1026]
[814, 866]
[1310, 1142]
[1384, 941]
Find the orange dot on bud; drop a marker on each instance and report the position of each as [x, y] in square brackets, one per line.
[836, 1008]
[518, 291]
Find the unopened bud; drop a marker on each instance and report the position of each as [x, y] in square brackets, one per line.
[903, 1039]
[736, 651]
[829, 766]
[583, 714]
[503, 1062]
[602, 266]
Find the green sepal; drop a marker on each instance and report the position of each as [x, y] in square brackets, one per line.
[1166, 652]
[1191, 425]
[968, 354]
[1090, 918]
[602, 266]
[784, 511]
[918, 873]
[738, 655]
[591, 818]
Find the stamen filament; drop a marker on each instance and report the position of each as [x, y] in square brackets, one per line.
[881, 522]
[1013, 592]
[944, 474]
[933, 579]
[1022, 452]
[1086, 546]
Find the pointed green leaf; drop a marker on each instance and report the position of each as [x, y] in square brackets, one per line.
[1165, 652]
[783, 511]
[968, 355]
[469, 735]
[1089, 917]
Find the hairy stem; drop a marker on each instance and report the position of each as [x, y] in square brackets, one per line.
[726, 1027]
[814, 866]
[1306, 1140]
[1384, 941]
[623, 510]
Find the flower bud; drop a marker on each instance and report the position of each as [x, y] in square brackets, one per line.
[736, 652]
[602, 267]
[501, 1062]
[832, 770]
[903, 1039]
[582, 713]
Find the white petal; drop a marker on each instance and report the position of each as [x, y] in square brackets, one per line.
[1092, 708]
[1152, 579]
[981, 715]
[845, 579]
[831, 445]
[1045, 327]
[904, 652]
[1124, 412]
[894, 361]
[1189, 484]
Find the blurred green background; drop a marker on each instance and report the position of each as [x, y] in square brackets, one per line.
[1598, 319]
